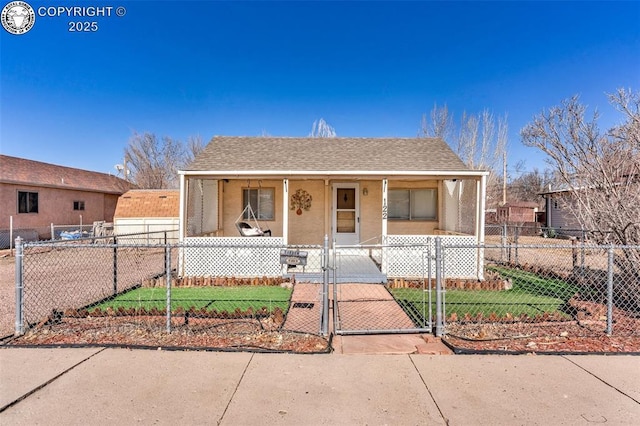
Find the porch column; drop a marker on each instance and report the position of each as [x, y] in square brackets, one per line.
[182, 205]
[385, 209]
[385, 215]
[285, 211]
[481, 189]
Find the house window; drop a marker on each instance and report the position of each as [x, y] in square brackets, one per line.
[78, 205]
[262, 203]
[27, 202]
[413, 204]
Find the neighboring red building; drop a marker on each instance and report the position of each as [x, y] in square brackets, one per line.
[517, 212]
[36, 194]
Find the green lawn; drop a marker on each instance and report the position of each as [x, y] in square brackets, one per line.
[211, 298]
[531, 295]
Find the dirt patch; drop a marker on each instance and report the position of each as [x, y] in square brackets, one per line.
[586, 335]
[560, 339]
[247, 334]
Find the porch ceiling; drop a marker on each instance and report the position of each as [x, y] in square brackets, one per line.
[348, 175]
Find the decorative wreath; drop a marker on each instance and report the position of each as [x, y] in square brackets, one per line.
[301, 200]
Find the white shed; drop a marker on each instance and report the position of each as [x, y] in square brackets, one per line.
[148, 211]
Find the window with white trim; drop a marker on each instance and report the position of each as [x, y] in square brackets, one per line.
[262, 201]
[413, 204]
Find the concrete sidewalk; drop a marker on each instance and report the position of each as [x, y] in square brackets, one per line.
[107, 386]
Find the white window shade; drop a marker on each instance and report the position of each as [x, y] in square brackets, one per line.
[424, 205]
[413, 204]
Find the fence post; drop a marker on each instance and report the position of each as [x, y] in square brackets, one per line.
[516, 233]
[115, 265]
[324, 329]
[167, 257]
[610, 291]
[53, 235]
[574, 253]
[19, 329]
[10, 235]
[503, 241]
[582, 253]
[439, 321]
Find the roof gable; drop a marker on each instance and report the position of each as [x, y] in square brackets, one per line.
[35, 173]
[233, 153]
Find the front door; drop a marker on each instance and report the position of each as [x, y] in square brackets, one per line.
[346, 214]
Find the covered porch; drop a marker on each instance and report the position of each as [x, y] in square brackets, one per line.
[397, 218]
[391, 193]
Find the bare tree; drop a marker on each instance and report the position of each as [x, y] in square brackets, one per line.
[528, 185]
[439, 124]
[479, 140]
[194, 147]
[153, 163]
[322, 129]
[601, 170]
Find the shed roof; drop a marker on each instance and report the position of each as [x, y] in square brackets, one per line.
[148, 203]
[21, 171]
[283, 154]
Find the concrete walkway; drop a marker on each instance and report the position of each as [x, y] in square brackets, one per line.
[120, 386]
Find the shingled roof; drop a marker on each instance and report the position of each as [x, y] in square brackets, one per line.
[237, 154]
[35, 173]
[148, 203]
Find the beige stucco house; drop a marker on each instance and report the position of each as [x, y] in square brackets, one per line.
[357, 191]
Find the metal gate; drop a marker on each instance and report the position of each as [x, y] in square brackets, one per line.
[367, 300]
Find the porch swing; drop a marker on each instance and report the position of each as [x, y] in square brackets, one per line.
[245, 228]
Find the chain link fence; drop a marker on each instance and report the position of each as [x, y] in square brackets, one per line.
[149, 232]
[132, 294]
[258, 293]
[518, 233]
[483, 292]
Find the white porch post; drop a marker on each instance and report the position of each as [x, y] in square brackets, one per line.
[385, 208]
[285, 211]
[385, 215]
[182, 205]
[481, 191]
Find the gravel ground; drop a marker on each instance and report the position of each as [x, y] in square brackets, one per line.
[71, 278]
[557, 255]
[7, 294]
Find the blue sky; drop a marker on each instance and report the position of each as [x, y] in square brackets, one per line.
[208, 68]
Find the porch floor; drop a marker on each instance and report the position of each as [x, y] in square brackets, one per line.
[349, 268]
